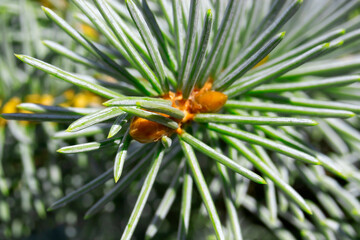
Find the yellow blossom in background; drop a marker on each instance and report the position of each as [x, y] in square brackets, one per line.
[72, 99]
[9, 107]
[46, 3]
[81, 99]
[60, 5]
[84, 99]
[89, 32]
[45, 99]
[69, 94]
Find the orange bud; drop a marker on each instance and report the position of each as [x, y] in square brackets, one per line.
[146, 131]
[202, 100]
[210, 101]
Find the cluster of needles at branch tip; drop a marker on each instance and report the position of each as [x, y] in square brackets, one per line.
[202, 100]
[253, 103]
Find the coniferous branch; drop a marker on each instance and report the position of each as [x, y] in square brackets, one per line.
[167, 69]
